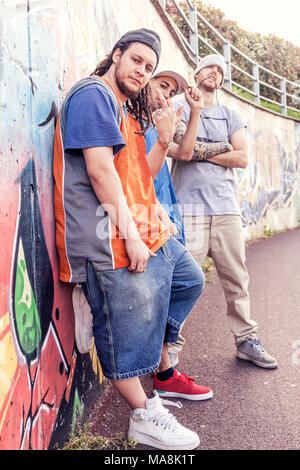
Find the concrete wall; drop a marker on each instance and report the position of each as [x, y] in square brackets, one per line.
[46, 46]
[269, 188]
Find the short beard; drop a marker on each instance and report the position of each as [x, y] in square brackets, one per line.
[208, 89]
[133, 95]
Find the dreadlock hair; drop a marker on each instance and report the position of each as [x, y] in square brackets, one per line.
[138, 107]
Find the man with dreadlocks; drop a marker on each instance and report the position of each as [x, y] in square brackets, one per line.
[107, 231]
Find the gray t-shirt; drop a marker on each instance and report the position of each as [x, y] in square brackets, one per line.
[204, 188]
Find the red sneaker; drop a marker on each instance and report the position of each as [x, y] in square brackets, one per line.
[182, 386]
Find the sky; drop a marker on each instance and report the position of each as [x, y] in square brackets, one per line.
[281, 17]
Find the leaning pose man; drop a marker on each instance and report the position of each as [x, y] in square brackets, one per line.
[207, 180]
[170, 382]
[107, 232]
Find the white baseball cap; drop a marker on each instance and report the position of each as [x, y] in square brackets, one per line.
[212, 59]
[181, 82]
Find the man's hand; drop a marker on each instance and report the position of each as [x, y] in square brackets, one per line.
[165, 219]
[109, 191]
[194, 99]
[237, 157]
[138, 254]
[200, 151]
[166, 118]
[185, 136]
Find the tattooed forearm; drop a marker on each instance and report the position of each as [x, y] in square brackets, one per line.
[205, 150]
[179, 132]
[202, 150]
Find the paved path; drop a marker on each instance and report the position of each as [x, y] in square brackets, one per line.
[252, 408]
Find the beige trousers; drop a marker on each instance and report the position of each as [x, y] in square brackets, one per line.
[221, 238]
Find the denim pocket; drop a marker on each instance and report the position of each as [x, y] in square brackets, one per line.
[167, 253]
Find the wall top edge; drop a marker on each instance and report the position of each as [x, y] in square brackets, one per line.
[192, 63]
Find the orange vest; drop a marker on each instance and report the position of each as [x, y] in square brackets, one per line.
[137, 183]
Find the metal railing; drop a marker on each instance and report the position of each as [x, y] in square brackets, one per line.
[286, 90]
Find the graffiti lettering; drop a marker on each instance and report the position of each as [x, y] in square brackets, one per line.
[296, 354]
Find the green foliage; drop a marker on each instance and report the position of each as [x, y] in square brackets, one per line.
[83, 439]
[208, 264]
[271, 52]
[264, 104]
[268, 232]
[207, 267]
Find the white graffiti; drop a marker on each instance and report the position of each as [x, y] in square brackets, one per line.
[296, 353]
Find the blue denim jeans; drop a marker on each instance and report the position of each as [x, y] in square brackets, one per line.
[135, 313]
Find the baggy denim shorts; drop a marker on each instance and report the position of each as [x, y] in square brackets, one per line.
[135, 313]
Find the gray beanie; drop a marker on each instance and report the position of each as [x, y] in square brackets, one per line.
[143, 35]
[212, 59]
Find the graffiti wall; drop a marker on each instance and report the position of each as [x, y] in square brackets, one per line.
[41, 385]
[297, 193]
[269, 188]
[46, 46]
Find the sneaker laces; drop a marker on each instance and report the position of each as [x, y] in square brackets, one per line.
[163, 418]
[184, 378]
[256, 344]
[178, 404]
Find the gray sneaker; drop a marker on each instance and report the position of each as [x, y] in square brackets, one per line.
[252, 350]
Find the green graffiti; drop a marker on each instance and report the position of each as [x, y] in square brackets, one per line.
[77, 410]
[27, 318]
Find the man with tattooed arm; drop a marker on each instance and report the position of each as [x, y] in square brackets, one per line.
[206, 191]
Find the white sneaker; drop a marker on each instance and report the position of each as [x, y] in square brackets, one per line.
[83, 321]
[155, 426]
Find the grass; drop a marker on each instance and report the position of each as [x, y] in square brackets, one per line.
[84, 439]
[208, 264]
[268, 233]
[207, 267]
[264, 104]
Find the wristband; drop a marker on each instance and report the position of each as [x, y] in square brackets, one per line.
[164, 145]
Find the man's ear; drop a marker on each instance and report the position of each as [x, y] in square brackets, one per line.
[116, 55]
[222, 81]
[219, 85]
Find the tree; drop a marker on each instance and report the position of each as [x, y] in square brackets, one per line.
[276, 54]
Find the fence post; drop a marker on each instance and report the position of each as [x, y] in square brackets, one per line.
[283, 96]
[256, 87]
[296, 95]
[227, 56]
[194, 35]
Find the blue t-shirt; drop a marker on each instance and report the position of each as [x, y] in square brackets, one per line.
[164, 189]
[101, 129]
[89, 118]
